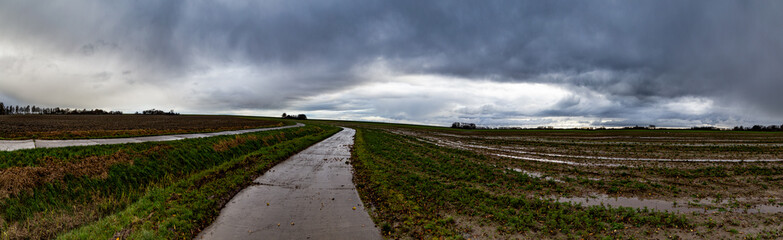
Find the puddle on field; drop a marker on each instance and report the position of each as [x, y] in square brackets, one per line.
[556, 161]
[467, 146]
[535, 174]
[506, 149]
[651, 204]
[662, 205]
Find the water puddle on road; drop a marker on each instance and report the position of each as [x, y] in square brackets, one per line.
[662, 205]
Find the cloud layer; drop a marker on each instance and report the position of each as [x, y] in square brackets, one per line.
[561, 63]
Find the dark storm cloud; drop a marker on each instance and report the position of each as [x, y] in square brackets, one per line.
[638, 54]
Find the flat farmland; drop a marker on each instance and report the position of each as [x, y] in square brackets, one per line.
[419, 182]
[669, 164]
[148, 190]
[618, 184]
[112, 126]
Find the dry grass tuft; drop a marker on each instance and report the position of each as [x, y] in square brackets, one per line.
[46, 225]
[227, 144]
[16, 179]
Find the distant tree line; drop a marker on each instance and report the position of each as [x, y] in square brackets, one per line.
[157, 112]
[760, 128]
[706, 128]
[24, 110]
[463, 125]
[757, 128]
[298, 116]
[641, 127]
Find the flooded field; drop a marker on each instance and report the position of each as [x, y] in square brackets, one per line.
[654, 167]
[722, 183]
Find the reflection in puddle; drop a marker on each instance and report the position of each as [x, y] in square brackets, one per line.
[662, 205]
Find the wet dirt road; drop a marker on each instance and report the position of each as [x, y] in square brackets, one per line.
[309, 196]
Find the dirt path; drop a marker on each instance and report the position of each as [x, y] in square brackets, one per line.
[12, 145]
[309, 196]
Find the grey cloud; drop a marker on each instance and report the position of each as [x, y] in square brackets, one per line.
[639, 53]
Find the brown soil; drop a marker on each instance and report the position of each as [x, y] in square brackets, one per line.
[103, 126]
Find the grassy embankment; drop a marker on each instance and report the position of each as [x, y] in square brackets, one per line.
[419, 190]
[161, 190]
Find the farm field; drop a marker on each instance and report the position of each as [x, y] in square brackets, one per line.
[154, 190]
[114, 126]
[429, 181]
[419, 182]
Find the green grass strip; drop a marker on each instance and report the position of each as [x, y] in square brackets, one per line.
[45, 209]
[185, 208]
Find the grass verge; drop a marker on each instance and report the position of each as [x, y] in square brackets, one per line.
[56, 191]
[185, 208]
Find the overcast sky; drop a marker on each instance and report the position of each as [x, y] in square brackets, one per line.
[518, 63]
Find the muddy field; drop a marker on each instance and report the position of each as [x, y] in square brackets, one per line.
[722, 184]
[717, 170]
[107, 126]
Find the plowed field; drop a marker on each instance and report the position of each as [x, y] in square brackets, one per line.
[109, 126]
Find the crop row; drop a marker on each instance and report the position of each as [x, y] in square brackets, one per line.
[418, 190]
